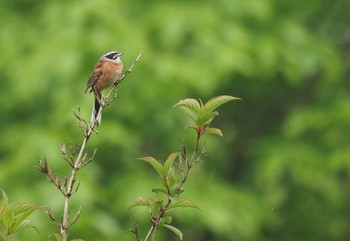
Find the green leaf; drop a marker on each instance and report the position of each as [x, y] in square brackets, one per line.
[206, 117]
[3, 237]
[156, 207]
[159, 190]
[169, 163]
[8, 218]
[141, 201]
[182, 203]
[168, 219]
[155, 164]
[173, 184]
[24, 208]
[215, 102]
[27, 224]
[215, 131]
[22, 211]
[13, 216]
[12, 237]
[190, 107]
[3, 201]
[56, 236]
[175, 230]
[192, 126]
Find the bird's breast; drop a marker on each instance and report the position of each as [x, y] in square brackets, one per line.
[111, 73]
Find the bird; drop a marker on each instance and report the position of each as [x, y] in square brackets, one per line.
[106, 72]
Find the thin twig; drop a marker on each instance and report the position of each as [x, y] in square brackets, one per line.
[135, 229]
[116, 84]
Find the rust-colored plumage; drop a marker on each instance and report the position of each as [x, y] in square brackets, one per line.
[106, 72]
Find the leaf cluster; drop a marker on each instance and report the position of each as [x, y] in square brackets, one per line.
[174, 174]
[203, 114]
[171, 188]
[13, 217]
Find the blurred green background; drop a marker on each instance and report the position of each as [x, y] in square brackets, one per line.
[282, 170]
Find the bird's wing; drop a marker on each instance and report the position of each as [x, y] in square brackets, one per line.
[95, 75]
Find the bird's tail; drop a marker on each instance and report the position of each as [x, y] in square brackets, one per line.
[96, 112]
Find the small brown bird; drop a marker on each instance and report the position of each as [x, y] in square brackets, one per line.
[106, 72]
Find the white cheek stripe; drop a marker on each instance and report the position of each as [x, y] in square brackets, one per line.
[117, 60]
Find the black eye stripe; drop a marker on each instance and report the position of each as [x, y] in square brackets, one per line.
[112, 55]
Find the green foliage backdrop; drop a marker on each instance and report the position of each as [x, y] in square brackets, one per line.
[281, 172]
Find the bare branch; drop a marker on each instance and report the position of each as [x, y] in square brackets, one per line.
[76, 217]
[52, 217]
[135, 229]
[65, 182]
[116, 84]
[77, 187]
[63, 148]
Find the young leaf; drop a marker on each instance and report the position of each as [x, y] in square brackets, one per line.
[215, 131]
[3, 201]
[206, 117]
[24, 208]
[3, 237]
[192, 126]
[56, 236]
[175, 230]
[168, 219]
[155, 164]
[27, 224]
[169, 163]
[215, 102]
[172, 183]
[21, 212]
[157, 190]
[190, 107]
[182, 203]
[156, 207]
[8, 218]
[141, 201]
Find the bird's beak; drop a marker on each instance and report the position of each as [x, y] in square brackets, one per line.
[120, 54]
